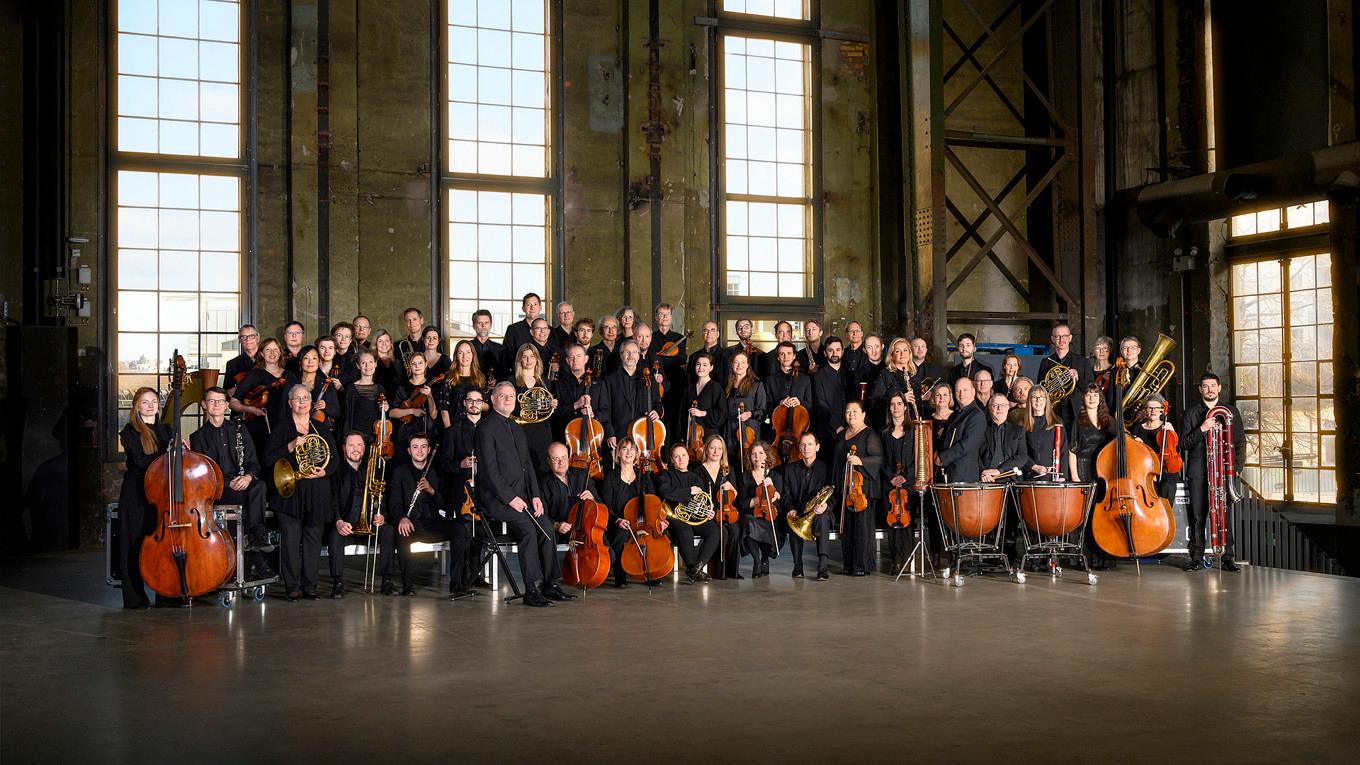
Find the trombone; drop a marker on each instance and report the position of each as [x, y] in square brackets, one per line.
[371, 505]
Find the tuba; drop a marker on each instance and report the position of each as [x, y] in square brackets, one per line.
[1152, 378]
[1058, 384]
[313, 453]
[535, 405]
[802, 524]
[696, 511]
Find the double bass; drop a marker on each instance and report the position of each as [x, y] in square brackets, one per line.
[790, 423]
[189, 554]
[584, 435]
[1131, 520]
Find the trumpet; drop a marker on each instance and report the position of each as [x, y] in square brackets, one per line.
[802, 524]
[1151, 379]
[314, 452]
[535, 405]
[1058, 384]
[697, 511]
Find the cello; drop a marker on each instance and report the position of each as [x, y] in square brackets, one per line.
[790, 423]
[651, 557]
[188, 554]
[584, 435]
[1131, 520]
[649, 434]
[586, 564]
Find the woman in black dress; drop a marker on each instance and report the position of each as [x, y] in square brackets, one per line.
[365, 399]
[623, 483]
[899, 466]
[676, 485]
[436, 363]
[415, 399]
[143, 439]
[715, 474]
[261, 394]
[857, 536]
[464, 375]
[708, 405]
[391, 370]
[747, 404]
[757, 482]
[1092, 429]
[325, 397]
[528, 373]
[302, 515]
[1045, 438]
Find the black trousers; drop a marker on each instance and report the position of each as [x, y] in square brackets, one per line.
[299, 553]
[1198, 518]
[537, 547]
[133, 517]
[251, 501]
[335, 551]
[683, 535]
[425, 530]
[821, 529]
[730, 547]
[857, 541]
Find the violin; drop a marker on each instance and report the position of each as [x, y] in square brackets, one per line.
[725, 501]
[258, 396]
[853, 488]
[417, 400]
[672, 348]
[649, 434]
[586, 564]
[746, 434]
[469, 507]
[790, 423]
[899, 516]
[660, 387]
[651, 556]
[1131, 520]
[584, 435]
[694, 435]
[382, 429]
[189, 554]
[320, 414]
[765, 509]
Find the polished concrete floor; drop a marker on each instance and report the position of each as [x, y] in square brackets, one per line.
[1261, 666]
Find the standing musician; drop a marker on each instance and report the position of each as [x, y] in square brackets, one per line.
[330, 366]
[1195, 427]
[969, 363]
[417, 511]
[627, 317]
[410, 404]
[228, 444]
[1156, 431]
[899, 467]
[325, 396]
[489, 352]
[573, 397]
[754, 355]
[583, 331]
[853, 355]
[293, 333]
[391, 369]
[1003, 446]
[347, 496]
[1092, 429]
[144, 438]
[604, 355]
[714, 475]
[343, 332]
[363, 329]
[1019, 396]
[811, 356]
[757, 484]
[243, 362]
[747, 403]
[457, 462]
[783, 333]
[708, 403]
[565, 330]
[716, 353]
[1045, 438]
[802, 480]
[362, 406]
[507, 491]
[866, 375]
[302, 515]
[266, 382]
[1009, 375]
[1102, 367]
[926, 370]
[432, 345]
[413, 319]
[962, 438]
[527, 374]
[517, 334]
[540, 339]
[642, 335]
[676, 485]
[828, 393]
[782, 386]
[1078, 368]
[986, 389]
[672, 365]
[896, 377]
[857, 535]
[621, 484]
[463, 377]
[1130, 349]
[624, 398]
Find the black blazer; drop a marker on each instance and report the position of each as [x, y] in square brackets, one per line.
[219, 444]
[504, 467]
[1004, 447]
[962, 445]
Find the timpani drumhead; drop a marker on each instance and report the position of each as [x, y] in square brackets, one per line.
[971, 509]
[1052, 509]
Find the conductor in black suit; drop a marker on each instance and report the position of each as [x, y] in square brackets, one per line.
[963, 437]
[507, 491]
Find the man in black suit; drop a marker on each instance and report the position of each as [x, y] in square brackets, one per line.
[1003, 446]
[507, 491]
[489, 352]
[517, 334]
[230, 446]
[1078, 368]
[963, 438]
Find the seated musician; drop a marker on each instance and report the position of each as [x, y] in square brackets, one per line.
[714, 474]
[623, 483]
[963, 437]
[1003, 448]
[347, 496]
[416, 511]
[676, 485]
[802, 480]
[508, 491]
[227, 443]
[563, 487]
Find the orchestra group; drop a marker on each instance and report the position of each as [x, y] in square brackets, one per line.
[742, 446]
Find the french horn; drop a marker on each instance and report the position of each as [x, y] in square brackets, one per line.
[696, 511]
[535, 405]
[314, 452]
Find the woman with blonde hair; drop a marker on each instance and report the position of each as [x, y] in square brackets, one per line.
[143, 439]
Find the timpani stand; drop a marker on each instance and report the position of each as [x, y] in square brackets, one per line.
[1054, 516]
[970, 516]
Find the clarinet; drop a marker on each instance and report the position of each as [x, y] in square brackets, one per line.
[415, 495]
[240, 450]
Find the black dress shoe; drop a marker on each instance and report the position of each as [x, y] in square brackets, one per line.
[534, 599]
[310, 595]
[755, 572]
[822, 575]
[482, 583]
[798, 573]
[553, 592]
[408, 591]
[1229, 564]
[294, 596]
[1193, 565]
[388, 588]
[462, 592]
[337, 591]
[702, 577]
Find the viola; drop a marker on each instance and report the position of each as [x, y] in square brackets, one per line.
[382, 429]
[725, 502]
[584, 435]
[790, 423]
[649, 434]
[899, 516]
[586, 564]
[746, 433]
[672, 348]
[650, 557]
[1131, 520]
[694, 435]
[320, 414]
[660, 387]
[188, 554]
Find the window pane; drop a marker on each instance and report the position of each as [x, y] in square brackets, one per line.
[483, 244]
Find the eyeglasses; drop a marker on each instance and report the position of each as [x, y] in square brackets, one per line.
[215, 401]
[300, 398]
[1061, 337]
